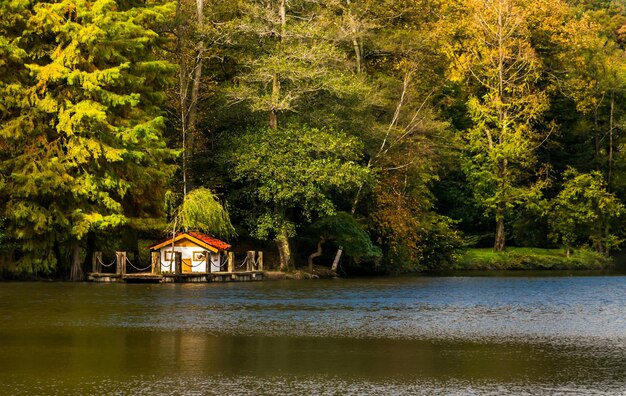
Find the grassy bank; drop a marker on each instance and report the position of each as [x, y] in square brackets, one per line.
[531, 259]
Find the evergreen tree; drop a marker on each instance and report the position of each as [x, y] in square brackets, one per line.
[84, 124]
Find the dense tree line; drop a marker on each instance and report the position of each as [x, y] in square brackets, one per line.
[382, 135]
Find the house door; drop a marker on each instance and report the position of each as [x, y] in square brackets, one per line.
[186, 265]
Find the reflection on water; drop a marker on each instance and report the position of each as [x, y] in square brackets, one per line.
[375, 336]
[310, 385]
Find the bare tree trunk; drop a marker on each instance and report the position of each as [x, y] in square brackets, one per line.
[89, 250]
[182, 89]
[317, 253]
[611, 127]
[500, 241]
[273, 121]
[273, 117]
[76, 272]
[337, 258]
[197, 78]
[567, 250]
[596, 138]
[284, 250]
[358, 50]
[499, 244]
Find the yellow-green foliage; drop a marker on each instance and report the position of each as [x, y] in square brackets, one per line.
[82, 149]
[584, 211]
[202, 211]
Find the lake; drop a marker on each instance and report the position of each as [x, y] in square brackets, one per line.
[399, 335]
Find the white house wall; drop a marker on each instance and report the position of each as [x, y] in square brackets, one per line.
[187, 253]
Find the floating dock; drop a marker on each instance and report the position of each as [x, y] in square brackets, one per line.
[251, 269]
[240, 276]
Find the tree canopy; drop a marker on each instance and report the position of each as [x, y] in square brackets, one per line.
[422, 127]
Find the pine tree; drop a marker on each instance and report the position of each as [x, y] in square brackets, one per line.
[83, 127]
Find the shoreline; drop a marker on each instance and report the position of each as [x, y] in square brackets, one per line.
[532, 259]
[472, 261]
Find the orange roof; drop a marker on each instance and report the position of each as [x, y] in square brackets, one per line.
[209, 240]
[197, 237]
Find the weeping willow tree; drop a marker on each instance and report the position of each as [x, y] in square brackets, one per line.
[200, 210]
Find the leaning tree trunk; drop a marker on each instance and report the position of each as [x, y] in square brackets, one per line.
[317, 253]
[76, 272]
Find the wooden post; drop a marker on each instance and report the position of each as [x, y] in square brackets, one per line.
[156, 262]
[250, 260]
[260, 255]
[178, 263]
[231, 262]
[96, 260]
[120, 257]
[170, 261]
[207, 257]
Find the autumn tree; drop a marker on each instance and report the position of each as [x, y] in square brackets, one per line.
[504, 109]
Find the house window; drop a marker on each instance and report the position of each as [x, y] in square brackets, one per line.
[169, 255]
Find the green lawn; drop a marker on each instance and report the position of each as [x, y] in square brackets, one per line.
[532, 259]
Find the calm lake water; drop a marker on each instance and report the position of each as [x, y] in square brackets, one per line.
[408, 335]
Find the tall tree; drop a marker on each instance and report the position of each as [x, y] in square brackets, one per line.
[507, 103]
[84, 128]
[289, 176]
[585, 210]
[290, 57]
[193, 35]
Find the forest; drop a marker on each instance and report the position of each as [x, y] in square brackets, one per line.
[374, 136]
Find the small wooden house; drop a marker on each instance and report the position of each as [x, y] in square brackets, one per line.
[199, 253]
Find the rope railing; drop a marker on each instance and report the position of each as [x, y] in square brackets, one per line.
[222, 263]
[223, 257]
[243, 263]
[199, 264]
[138, 269]
[168, 264]
[106, 265]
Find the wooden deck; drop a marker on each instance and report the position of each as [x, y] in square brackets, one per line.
[195, 277]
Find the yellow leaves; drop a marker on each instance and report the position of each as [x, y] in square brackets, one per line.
[50, 73]
[91, 112]
[113, 155]
[84, 222]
